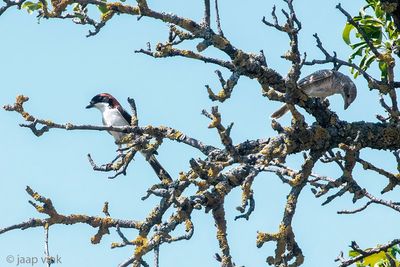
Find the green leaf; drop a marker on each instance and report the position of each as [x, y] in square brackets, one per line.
[30, 6]
[358, 52]
[75, 7]
[26, 4]
[79, 16]
[372, 32]
[103, 8]
[373, 21]
[362, 62]
[379, 13]
[396, 250]
[374, 259]
[360, 44]
[369, 61]
[346, 33]
[353, 253]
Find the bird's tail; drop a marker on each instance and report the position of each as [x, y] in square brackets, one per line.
[160, 171]
[280, 112]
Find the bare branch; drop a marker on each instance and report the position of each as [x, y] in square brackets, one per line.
[9, 4]
[160, 132]
[168, 51]
[356, 210]
[287, 248]
[393, 179]
[227, 87]
[220, 223]
[56, 218]
[224, 133]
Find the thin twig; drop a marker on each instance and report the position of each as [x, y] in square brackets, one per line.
[156, 256]
[207, 13]
[219, 28]
[49, 260]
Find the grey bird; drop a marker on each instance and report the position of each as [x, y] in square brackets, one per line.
[324, 83]
[114, 115]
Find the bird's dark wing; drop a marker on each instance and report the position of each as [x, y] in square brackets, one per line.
[315, 78]
[125, 114]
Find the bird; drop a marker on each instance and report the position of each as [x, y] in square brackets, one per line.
[324, 83]
[113, 114]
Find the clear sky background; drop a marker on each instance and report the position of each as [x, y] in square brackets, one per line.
[60, 70]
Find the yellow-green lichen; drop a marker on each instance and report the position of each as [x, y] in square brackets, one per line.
[183, 176]
[141, 243]
[49, 123]
[107, 16]
[220, 41]
[188, 225]
[175, 135]
[27, 116]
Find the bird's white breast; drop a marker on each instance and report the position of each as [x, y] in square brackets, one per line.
[112, 117]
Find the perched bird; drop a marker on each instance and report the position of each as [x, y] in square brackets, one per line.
[324, 83]
[114, 115]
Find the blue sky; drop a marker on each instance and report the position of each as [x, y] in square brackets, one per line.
[60, 70]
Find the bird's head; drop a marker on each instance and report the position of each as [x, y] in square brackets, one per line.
[103, 101]
[349, 92]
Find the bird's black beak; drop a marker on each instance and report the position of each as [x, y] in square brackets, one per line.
[90, 105]
[346, 105]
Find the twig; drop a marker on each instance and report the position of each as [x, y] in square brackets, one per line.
[390, 204]
[356, 210]
[207, 13]
[125, 240]
[227, 87]
[135, 119]
[393, 179]
[224, 133]
[49, 260]
[292, 28]
[219, 28]
[172, 52]
[156, 256]
[9, 4]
